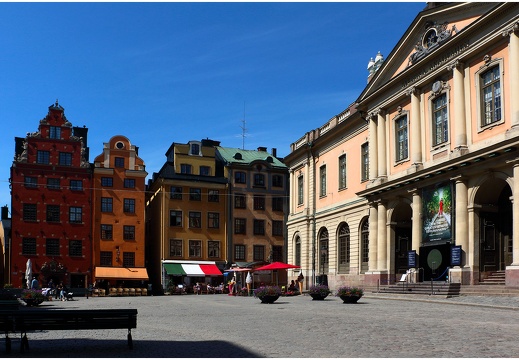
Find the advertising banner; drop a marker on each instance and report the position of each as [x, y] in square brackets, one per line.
[437, 214]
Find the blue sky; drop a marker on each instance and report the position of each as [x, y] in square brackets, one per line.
[159, 73]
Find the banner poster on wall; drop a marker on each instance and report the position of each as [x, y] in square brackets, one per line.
[437, 214]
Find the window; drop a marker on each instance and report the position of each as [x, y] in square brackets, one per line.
[55, 132]
[259, 202]
[239, 252]
[128, 259]
[214, 196]
[52, 247]
[65, 159]
[342, 172]
[195, 194]
[29, 246]
[119, 162]
[195, 248]
[277, 228]
[195, 149]
[128, 232]
[175, 218]
[258, 252]
[75, 248]
[105, 258]
[277, 180]
[106, 204]
[277, 253]
[323, 251]
[490, 85]
[259, 227]
[364, 154]
[344, 245]
[213, 249]
[401, 138]
[364, 234]
[175, 248]
[440, 126]
[107, 181]
[300, 190]
[298, 251]
[259, 180]
[240, 177]
[185, 168]
[129, 183]
[53, 213]
[43, 157]
[129, 206]
[29, 212]
[205, 171]
[239, 226]
[75, 215]
[277, 204]
[175, 193]
[195, 219]
[76, 185]
[106, 231]
[322, 176]
[31, 182]
[239, 201]
[213, 220]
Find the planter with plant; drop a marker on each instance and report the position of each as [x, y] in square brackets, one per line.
[32, 297]
[349, 294]
[267, 294]
[319, 292]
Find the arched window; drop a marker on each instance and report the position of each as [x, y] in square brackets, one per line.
[344, 248]
[298, 251]
[323, 251]
[364, 236]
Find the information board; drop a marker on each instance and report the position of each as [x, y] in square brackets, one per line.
[456, 255]
[411, 259]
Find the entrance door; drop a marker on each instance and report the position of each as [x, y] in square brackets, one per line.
[496, 241]
[402, 246]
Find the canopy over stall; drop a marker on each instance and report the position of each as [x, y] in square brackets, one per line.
[121, 273]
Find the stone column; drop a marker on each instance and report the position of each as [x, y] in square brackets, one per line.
[373, 152]
[460, 122]
[416, 231]
[416, 128]
[381, 144]
[373, 238]
[462, 274]
[293, 189]
[513, 70]
[382, 237]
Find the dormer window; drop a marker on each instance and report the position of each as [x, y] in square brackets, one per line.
[194, 148]
[55, 132]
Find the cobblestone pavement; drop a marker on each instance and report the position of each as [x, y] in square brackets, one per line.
[222, 326]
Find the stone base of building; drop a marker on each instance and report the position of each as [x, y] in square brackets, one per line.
[459, 275]
[376, 278]
[512, 276]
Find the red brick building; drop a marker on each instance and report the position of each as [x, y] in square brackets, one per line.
[50, 203]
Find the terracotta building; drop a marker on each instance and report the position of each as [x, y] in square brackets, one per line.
[50, 203]
[419, 175]
[118, 209]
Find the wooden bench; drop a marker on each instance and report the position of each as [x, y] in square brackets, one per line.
[25, 320]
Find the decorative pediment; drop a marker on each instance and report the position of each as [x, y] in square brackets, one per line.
[433, 37]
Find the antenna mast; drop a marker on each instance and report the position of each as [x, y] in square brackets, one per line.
[243, 128]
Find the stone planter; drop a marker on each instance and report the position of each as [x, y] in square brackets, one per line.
[33, 302]
[318, 296]
[268, 299]
[352, 299]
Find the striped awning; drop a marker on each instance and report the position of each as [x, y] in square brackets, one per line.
[191, 269]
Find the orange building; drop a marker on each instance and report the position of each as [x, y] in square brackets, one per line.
[118, 210]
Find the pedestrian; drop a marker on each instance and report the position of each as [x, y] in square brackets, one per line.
[34, 283]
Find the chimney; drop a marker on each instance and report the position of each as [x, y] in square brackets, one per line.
[275, 152]
[262, 148]
[5, 212]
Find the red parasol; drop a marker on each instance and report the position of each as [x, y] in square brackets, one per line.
[277, 266]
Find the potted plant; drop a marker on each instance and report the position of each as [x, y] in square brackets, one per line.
[319, 292]
[350, 294]
[267, 294]
[32, 297]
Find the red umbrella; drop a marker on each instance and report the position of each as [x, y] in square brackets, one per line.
[277, 266]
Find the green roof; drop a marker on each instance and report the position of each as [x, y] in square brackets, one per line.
[246, 157]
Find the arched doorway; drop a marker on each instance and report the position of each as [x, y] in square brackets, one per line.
[495, 226]
[401, 218]
[323, 256]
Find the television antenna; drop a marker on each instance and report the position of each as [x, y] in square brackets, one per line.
[243, 128]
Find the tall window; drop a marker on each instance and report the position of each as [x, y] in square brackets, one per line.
[277, 228]
[239, 201]
[323, 251]
[205, 170]
[258, 252]
[277, 204]
[259, 202]
[175, 218]
[344, 245]
[213, 249]
[364, 234]
[119, 162]
[129, 232]
[322, 176]
[401, 138]
[76, 185]
[440, 125]
[53, 213]
[239, 226]
[342, 172]
[195, 248]
[65, 159]
[75, 214]
[195, 219]
[277, 180]
[106, 232]
[259, 180]
[490, 83]
[52, 247]
[129, 183]
[240, 177]
[239, 252]
[175, 248]
[129, 206]
[29, 246]
[175, 193]
[107, 182]
[259, 227]
[29, 212]
[213, 195]
[297, 260]
[364, 154]
[213, 219]
[30, 182]
[106, 204]
[55, 132]
[43, 157]
[277, 253]
[128, 259]
[53, 183]
[185, 168]
[75, 248]
[195, 194]
[300, 190]
[106, 258]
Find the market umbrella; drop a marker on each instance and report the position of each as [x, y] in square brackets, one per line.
[28, 273]
[277, 266]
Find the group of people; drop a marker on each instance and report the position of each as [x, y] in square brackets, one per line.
[60, 291]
